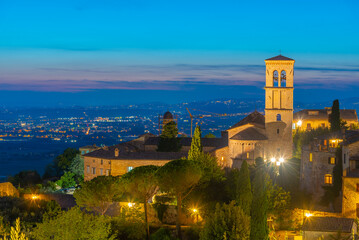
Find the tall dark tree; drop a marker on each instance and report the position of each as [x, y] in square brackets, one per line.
[334, 117]
[259, 208]
[169, 142]
[245, 190]
[196, 145]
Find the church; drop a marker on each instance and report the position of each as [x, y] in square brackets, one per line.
[268, 136]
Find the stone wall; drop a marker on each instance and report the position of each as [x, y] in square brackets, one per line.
[350, 197]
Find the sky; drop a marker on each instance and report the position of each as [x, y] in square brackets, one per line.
[106, 52]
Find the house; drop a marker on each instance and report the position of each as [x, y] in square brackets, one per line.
[7, 189]
[315, 228]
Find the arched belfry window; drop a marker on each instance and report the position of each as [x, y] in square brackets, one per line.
[275, 78]
[279, 117]
[283, 78]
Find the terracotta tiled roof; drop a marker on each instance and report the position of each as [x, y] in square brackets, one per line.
[249, 134]
[280, 57]
[328, 224]
[255, 118]
[128, 152]
[323, 114]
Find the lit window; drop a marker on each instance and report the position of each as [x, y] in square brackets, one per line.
[93, 170]
[331, 160]
[129, 169]
[328, 179]
[309, 126]
[247, 155]
[310, 157]
[101, 171]
[107, 172]
[88, 169]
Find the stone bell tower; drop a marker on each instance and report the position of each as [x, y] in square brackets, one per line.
[279, 107]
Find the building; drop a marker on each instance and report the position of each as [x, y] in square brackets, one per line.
[315, 228]
[309, 119]
[268, 136]
[89, 148]
[7, 189]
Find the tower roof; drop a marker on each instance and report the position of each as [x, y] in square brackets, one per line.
[168, 115]
[254, 118]
[280, 58]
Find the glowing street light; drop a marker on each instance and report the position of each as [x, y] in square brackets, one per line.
[281, 160]
[273, 160]
[278, 163]
[299, 123]
[34, 197]
[308, 214]
[130, 204]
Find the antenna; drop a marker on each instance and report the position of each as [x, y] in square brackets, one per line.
[280, 51]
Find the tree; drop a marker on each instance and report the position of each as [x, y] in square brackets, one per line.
[99, 193]
[141, 183]
[227, 222]
[334, 117]
[67, 180]
[77, 167]
[232, 185]
[61, 163]
[179, 177]
[210, 135]
[74, 224]
[259, 227]
[169, 142]
[196, 146]
[245, 191]
[15, 232]
[25, 179]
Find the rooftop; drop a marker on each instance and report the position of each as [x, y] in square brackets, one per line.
[249, 134]
[328, 224]
[280, 58]
[186, 141]
[323, 114]
[254, 118]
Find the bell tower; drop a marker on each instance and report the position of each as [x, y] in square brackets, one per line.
[279, 107]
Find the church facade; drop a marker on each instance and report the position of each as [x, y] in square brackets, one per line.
[268, 136]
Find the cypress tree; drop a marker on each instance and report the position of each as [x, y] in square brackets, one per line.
[196, 145]
[259, 208]
[334, 117]
[169, 142]
[245, 191]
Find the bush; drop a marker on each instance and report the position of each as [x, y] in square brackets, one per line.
[161, 234]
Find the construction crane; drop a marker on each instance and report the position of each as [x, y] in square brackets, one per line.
[191, 116]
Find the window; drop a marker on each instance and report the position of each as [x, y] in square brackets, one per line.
[313, 113]
[357, 210]
[345, 158]
[310, 157]
[283, 78]
[93, 170]
[93, 160]
[88, 169]
[357, 187]
[101, 162]
[275, 78]
[129, 169]
[277, 130]
[279, 117]
[328, 179]
[309, 126]
[323, 125]
[107, 172]
[82, 152]
[247, 155]
[101, 171]
[331, 160]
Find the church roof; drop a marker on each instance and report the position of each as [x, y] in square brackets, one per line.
[323, 114]
[328, 224]
[186, 141]
[280, 57]
[249, 134]
[255, 118]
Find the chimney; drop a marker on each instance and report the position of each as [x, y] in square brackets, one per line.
[116, 152]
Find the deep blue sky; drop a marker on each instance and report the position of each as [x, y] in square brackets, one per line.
[110, 52]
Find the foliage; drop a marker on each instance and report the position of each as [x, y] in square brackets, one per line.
[232, 185]
[74, 224]
[227, 222]
[129, 224]
[77, 167]
[160, 209]
[162, 234]
[61, 163]
[196, 145]
[259, 227]
[301, 138]
[339, 236]
[245, 191]
[179, 177]
[141, 183]
[15, 232]
[210, 168]
[67, 180]
[278, 199]
[99, 193]
[210, 135]
[334, 117]
[25, 179]
[169, 142]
